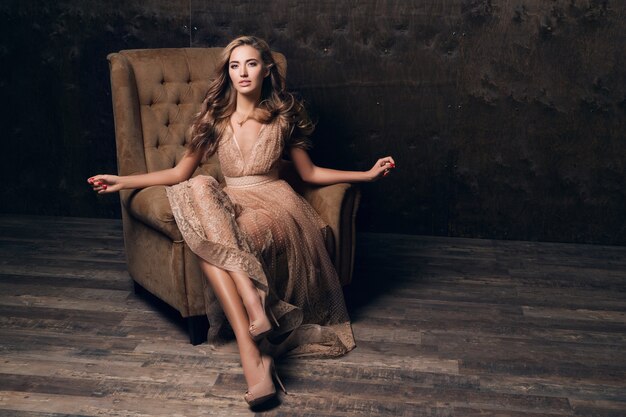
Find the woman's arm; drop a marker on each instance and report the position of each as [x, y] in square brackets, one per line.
[181, 172]
[325, 176]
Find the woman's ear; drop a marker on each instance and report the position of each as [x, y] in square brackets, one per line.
[267, 69]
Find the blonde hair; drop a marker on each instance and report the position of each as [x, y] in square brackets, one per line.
[276, 102]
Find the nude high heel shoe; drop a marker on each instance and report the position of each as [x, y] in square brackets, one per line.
[262, 326]
[265, 389]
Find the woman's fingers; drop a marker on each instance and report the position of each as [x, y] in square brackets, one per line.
[382, 167]
[98, 183]
[388, 160]
[386, 164]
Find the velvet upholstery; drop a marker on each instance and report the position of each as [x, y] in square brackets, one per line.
[155, 94]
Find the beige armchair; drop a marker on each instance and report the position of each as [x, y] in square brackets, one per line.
[155, 94]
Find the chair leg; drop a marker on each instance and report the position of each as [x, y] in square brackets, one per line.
[197, 327]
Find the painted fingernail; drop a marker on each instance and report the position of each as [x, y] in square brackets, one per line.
[104, 186]
[392, 165]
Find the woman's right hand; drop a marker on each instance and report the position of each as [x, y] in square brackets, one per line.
[103, 184]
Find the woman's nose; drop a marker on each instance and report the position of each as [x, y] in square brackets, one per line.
[243, 72]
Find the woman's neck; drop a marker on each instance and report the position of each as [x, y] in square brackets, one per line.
[246, 104]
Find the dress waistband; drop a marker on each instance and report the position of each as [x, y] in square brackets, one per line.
[251, 180]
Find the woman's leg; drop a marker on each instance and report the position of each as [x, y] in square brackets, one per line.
[227, 293]
[249, 295]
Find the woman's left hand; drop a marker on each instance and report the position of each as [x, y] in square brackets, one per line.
[382, 168]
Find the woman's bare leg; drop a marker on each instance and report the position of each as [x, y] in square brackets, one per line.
[249, 295]
[226, 292]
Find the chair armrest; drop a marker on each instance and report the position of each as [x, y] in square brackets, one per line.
[151, 207]
[327, 201]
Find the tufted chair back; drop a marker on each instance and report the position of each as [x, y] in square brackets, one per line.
[159, 91]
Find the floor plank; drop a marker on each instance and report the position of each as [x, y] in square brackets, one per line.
[444, 327]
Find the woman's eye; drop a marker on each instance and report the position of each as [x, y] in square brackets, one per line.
[233, 66]
[252, 64]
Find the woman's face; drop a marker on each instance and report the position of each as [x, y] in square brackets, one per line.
[246, 70]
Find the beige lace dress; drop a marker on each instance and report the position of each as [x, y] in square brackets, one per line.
[252, 224]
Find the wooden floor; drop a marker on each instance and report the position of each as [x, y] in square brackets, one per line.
[444, 327]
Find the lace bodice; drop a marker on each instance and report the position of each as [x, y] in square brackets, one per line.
[263, 157]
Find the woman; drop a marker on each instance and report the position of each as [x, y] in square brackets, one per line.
[249, 119]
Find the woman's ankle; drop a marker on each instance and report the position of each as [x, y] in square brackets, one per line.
[253, 370]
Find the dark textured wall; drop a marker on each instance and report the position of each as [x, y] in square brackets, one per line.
[506, 118]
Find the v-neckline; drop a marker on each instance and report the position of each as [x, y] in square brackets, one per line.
[244, 160]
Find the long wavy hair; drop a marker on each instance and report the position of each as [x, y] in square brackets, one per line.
[276, 102]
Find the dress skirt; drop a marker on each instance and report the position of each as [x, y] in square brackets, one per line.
[251, 226]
